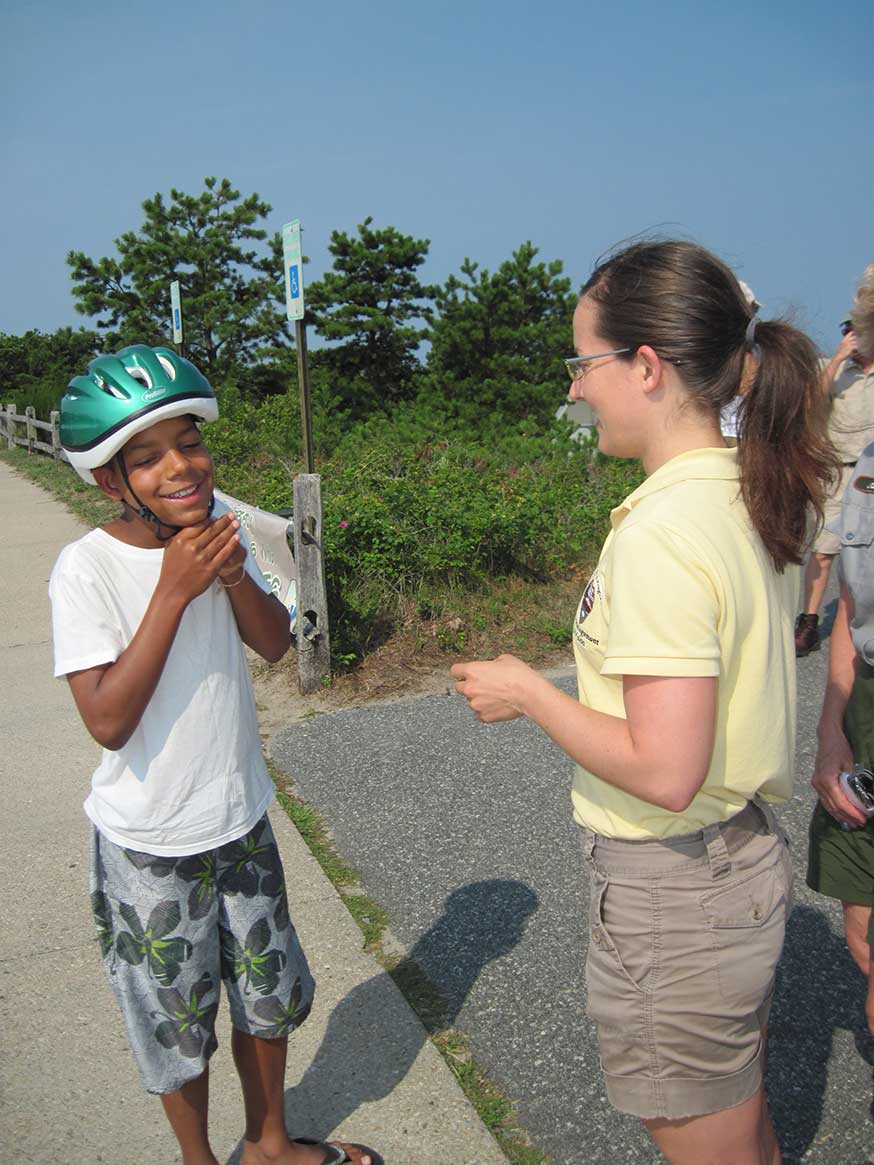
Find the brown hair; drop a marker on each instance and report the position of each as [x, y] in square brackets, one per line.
[689, 307]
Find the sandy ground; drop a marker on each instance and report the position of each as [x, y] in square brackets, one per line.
[385, 678]
[280, 703]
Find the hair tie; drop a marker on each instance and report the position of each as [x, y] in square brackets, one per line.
[750, 334]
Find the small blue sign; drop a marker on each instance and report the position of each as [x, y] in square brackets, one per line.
[176, 311]
[292, 261]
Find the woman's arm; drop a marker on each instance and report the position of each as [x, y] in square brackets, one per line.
[833, 754]
[661, 753]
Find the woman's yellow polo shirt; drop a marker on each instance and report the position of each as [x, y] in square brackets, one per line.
[685, 587]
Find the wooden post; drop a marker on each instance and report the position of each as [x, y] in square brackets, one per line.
[29, 414]
[10, 426]
[313, 638]
[55, 418]
[303, 382]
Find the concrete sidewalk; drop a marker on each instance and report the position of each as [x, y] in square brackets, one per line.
[361, 1067]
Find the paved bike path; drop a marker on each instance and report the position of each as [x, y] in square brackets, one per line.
[463, 832]
[69, 1093]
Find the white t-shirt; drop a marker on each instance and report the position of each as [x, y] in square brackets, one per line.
[192, 776]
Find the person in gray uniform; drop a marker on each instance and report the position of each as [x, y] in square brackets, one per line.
[841, 854]
[848, 381]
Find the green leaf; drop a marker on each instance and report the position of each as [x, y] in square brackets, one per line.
[130, 916]
[167, 1034]
[129, 949]
[165, 918]
[258, 937]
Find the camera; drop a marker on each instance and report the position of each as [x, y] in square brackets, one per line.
[859, 788]
[846, 326]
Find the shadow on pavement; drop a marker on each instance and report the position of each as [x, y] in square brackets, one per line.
[819, 991]
[373, 1038]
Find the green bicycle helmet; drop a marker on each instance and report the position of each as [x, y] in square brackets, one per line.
[123, 394]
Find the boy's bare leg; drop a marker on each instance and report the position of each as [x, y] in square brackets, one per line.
[261, 1068]
[187, 1111]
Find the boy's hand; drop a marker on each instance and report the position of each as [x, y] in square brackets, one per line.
[233, 570]
[194, 558]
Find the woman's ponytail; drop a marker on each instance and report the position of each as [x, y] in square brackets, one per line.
[787, 463]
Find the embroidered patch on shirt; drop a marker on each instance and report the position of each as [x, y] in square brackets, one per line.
[591, 593]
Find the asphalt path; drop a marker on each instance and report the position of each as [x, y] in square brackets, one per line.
[463, 833]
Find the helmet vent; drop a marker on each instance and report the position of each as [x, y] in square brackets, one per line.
[139, 374]
[106, 386]
[168, 367]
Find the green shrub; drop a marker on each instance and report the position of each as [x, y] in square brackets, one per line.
[416, 505]
[420, 511]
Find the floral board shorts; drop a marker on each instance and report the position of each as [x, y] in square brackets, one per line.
[686, 933]
[171, 929]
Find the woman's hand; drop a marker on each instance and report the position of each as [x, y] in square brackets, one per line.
[494, 688]
[833, 757]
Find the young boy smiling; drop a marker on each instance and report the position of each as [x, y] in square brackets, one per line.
[150, 614]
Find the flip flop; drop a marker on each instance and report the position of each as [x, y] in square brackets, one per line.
[334, 1155]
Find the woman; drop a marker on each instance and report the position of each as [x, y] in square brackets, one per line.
[684, 730]
[841, 854]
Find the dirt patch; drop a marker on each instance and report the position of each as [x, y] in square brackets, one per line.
[391, 673]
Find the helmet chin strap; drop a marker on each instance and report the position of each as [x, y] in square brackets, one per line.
[144, 513]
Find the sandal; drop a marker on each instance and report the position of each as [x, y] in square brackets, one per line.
[334, 1155]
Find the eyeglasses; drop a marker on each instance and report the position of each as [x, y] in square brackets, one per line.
[578, 366]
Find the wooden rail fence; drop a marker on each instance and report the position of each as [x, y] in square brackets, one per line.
[12, 423]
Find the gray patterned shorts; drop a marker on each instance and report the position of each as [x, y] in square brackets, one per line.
[172, 928]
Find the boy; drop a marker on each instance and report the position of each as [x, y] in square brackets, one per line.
[150, 613]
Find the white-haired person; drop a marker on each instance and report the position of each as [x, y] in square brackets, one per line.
[841, 853]
[848, 382]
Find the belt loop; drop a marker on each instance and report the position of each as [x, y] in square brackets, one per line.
[767, 812]
[717, 854]
[588, 845]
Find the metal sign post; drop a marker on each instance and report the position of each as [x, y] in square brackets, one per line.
[294, 308]
[176, 314]
[313, 641]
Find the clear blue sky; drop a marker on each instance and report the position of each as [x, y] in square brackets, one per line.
[746, 126]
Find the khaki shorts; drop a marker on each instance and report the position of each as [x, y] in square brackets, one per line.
[826, 542]
[685, 937]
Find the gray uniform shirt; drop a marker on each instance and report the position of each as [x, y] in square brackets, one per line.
[856, 531]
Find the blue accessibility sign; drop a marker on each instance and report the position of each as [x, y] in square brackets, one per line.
[293, 258]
